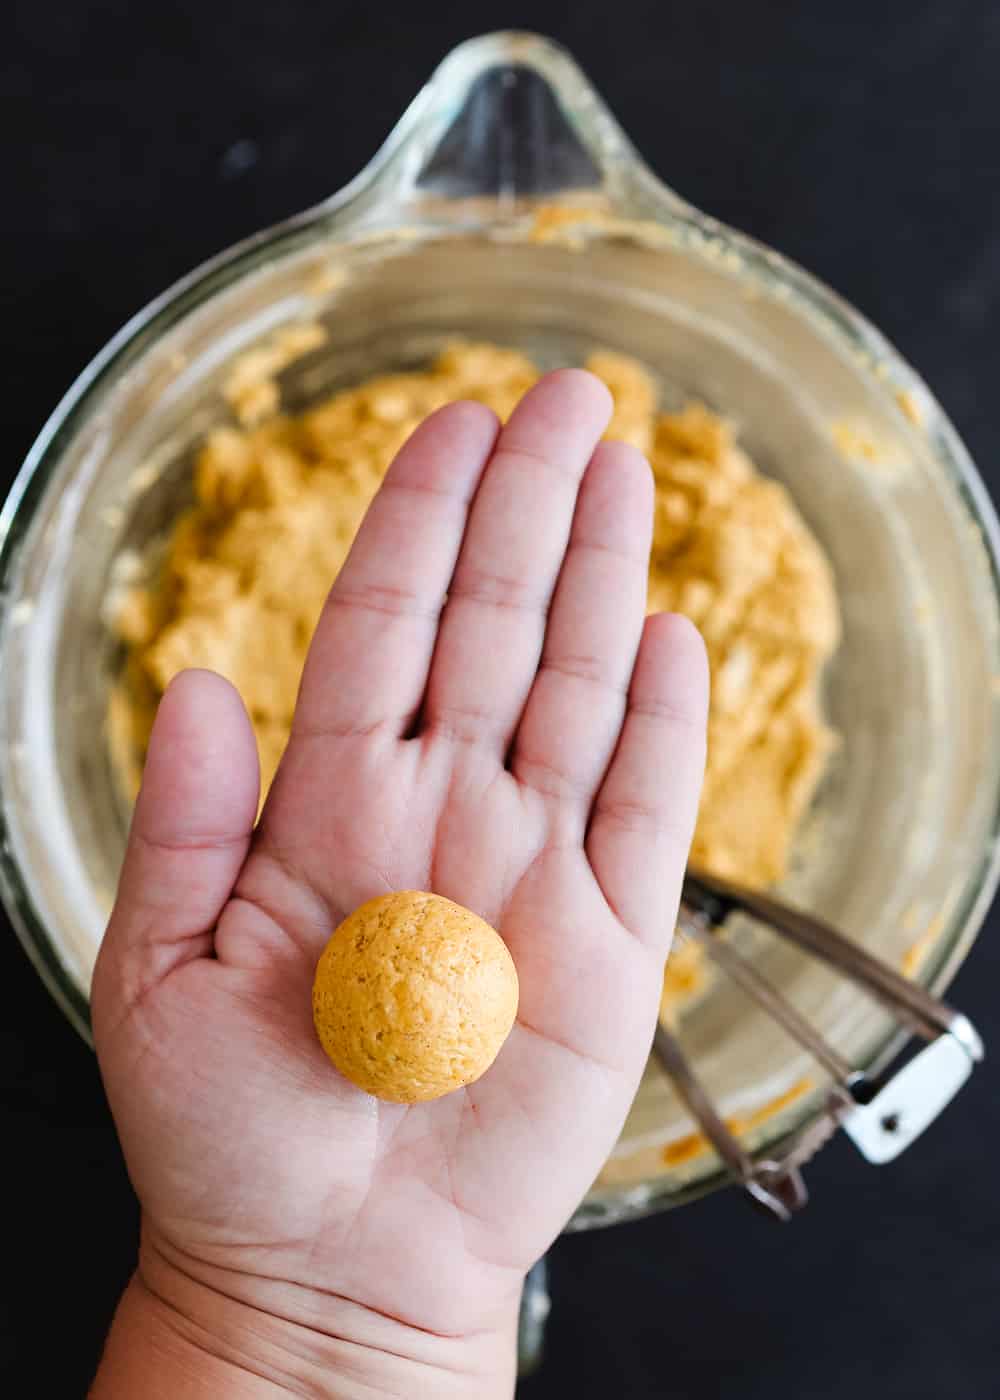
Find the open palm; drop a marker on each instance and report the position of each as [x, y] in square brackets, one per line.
[485, 714]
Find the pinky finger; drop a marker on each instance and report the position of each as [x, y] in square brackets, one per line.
[643, 819]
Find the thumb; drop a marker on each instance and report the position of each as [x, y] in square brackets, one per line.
[190, 836]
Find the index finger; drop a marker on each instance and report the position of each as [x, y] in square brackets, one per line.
[368, 661]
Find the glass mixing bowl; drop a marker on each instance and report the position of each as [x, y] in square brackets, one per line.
[508, 205]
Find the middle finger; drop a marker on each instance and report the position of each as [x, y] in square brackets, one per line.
[493, 625]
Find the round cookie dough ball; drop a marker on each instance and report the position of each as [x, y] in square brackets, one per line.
[414, 996]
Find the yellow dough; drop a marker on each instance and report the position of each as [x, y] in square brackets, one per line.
[277, 506]
[413, 997]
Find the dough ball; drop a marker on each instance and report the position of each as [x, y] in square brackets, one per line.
[414, 996]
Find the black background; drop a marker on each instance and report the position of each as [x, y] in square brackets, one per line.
[861, 139]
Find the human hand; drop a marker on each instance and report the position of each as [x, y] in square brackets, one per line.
[485, 714]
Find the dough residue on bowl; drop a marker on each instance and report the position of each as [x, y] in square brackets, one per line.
[277, 505]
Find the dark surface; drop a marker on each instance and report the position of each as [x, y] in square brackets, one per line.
[861, 139]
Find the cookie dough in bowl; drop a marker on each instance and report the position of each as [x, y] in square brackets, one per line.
[277, 505]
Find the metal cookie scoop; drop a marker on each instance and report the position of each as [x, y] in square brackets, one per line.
[882, 1116]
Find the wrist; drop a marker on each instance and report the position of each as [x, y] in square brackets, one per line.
[179, 1336]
